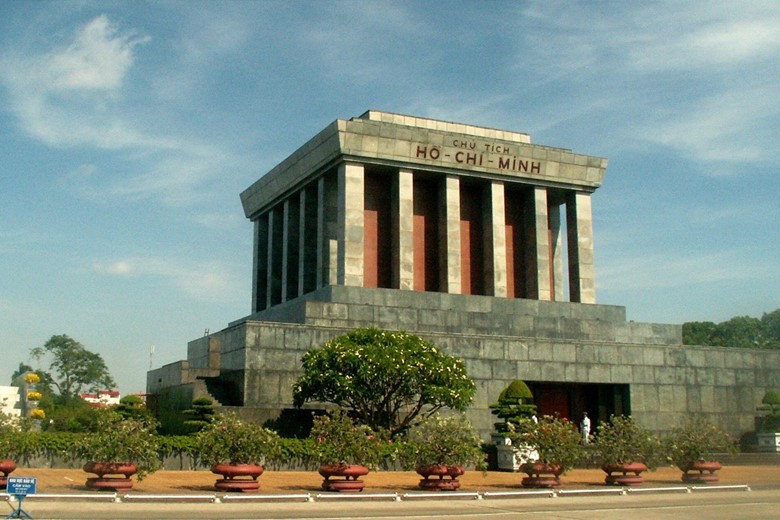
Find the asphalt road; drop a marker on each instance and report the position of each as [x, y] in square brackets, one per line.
[709, 504]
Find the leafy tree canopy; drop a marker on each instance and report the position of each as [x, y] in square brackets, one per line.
[73, 368]
[739, 331]
[386, 379]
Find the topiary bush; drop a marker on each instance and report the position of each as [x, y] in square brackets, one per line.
[515, 404]
[771, 422]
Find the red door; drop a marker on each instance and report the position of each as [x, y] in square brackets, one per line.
[554, 401]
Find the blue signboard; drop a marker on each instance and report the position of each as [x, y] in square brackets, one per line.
[21, 486]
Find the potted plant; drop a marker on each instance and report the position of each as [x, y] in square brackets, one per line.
[237, 450]
[558, 444]
[694, 448]
[441, 447]
[118, 446]
[768, 436]
[515, 404]
[624, 450]
[346, 451]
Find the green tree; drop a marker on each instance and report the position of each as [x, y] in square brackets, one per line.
[771, 323]
[74, 368]
[698, 332]
[737, 332]
[200, 415]
[76, 416]
[133, 407]
[386, 379]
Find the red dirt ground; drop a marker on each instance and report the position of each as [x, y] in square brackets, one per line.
[71, 481]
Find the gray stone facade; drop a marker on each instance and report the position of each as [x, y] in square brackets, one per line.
[455, 233]
[500, 340]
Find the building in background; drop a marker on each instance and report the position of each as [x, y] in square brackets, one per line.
[472, 237]
[102, 398]
[10, 401]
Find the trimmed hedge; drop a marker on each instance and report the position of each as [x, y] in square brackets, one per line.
[52, 446]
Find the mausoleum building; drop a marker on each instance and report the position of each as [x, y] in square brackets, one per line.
[473, 238]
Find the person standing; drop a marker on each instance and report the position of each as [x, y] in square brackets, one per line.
[585, 427]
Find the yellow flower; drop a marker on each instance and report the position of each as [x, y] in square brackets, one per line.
[32, 378]
[37, 413]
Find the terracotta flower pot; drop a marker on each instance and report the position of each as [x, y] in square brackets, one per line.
[445, 477]
[700, 472]
[237, 477]
[621, 472]
[346, 477]
[102, 482]
[7, 466]
[541, 475]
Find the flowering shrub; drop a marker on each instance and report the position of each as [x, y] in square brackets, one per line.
[120, 440]
[9, 430]
[697, 440]
[385, 378]
[339, 440]
[556, 440]
[228, 439]
[449, 441]
[621, 441]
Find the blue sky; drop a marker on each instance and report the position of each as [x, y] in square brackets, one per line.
[128, 129]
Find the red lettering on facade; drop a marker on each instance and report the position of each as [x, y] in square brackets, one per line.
[505, 162]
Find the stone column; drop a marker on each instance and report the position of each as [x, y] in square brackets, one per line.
[495, 227]
[544, 289]
[270, 259]
[579, 223]
[321, 249]
[350, 224]
[259, 244]
[285, 245]
[449, 243]
[302, 216]
[403, 229]
[556, 245]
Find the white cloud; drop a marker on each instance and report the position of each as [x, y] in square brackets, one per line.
[659, 270]
[62, 96]
[728, 126]
[208, 280]
[697, 78]
[74, 96]
[98, 59]
[119, 267]
[723, 43]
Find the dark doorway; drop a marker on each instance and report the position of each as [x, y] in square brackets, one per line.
[571, 400]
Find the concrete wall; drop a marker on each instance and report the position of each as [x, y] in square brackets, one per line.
[502, 340]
